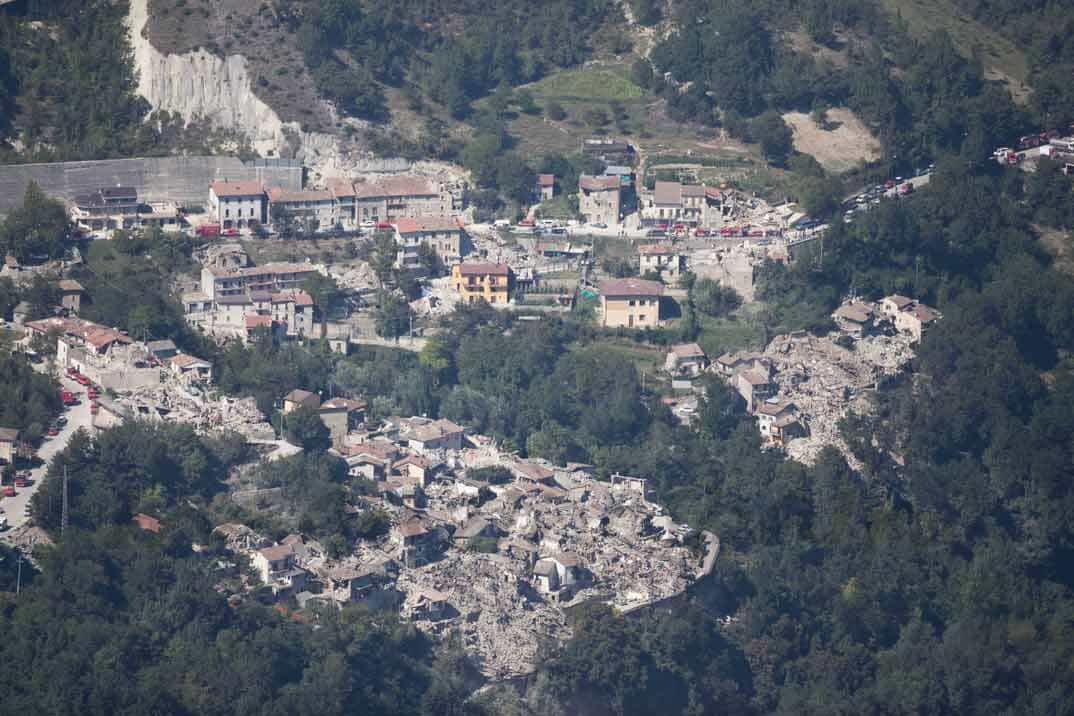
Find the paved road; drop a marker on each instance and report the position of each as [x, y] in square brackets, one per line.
[77, 416]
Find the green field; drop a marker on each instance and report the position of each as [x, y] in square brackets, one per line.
[587, 85]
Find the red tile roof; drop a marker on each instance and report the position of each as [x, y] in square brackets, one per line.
[184, 360]
[253, 322]
[94, 334]
[147, 523]
[627, 287]
[546, 179]
[237, 188]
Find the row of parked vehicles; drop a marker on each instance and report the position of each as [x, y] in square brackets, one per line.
[728, 232]
[92, 393]
[24, 478]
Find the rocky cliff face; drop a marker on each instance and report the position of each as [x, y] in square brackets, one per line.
[201, 84]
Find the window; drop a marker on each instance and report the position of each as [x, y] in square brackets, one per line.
[631, 302]
[227, 213]
[641, 317]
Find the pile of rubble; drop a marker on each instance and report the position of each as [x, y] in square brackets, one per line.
[627, 552]
[825, 381]
[355, 278]
[176, 402]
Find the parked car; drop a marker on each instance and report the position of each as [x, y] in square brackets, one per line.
[599, 225]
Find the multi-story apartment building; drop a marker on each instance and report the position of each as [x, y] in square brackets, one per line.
[443, 233]
[401, 197]
[630, 303]
[312, 208]
[676, 203]
[272, 277]
[237, 204]
[492, 282]
[342, 191]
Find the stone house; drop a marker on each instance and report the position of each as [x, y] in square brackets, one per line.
[298, 398]
[661, 259]
[686, 359]
[545, 189]
[754, 385]
[854, 318]
[340, 416]
[600, 199]
[9, 437]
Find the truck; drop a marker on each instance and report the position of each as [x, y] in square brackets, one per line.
[208, 230]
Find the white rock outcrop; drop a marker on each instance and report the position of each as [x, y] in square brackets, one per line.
[199, 84]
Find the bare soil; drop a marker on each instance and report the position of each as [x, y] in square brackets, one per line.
[1060, 244]
[842, 146]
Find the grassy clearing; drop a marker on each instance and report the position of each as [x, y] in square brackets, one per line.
[557, 208]
[647, 359]
[721, 335]
[587, 85]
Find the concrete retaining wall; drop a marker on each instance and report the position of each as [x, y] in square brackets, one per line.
[181, 179]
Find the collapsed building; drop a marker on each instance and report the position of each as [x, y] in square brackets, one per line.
[494, 555]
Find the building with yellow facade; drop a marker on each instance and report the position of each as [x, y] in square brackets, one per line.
[630, 303]
[492, 282]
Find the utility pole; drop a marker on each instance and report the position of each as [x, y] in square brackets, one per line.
[18, 576]
[63, 516]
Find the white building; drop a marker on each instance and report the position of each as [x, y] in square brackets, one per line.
[235, 204]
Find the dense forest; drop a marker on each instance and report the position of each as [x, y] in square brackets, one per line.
[921, 96]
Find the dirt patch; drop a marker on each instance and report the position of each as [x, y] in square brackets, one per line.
[803, 44]
[843, 145]
[1060, 244]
